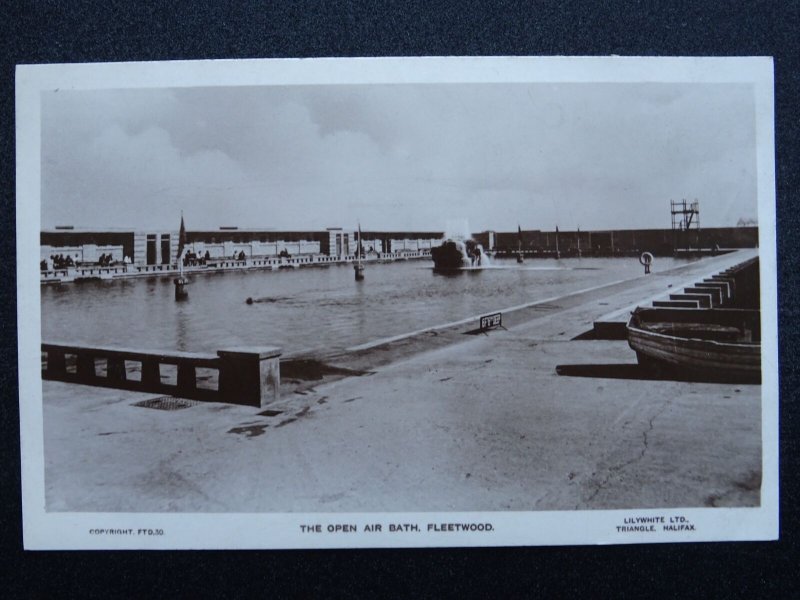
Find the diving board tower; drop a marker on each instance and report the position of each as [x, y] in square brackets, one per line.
[685, 224]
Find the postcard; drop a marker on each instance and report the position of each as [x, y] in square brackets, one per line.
[400, 302]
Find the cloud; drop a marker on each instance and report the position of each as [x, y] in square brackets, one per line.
[399, 157]
[137, 179]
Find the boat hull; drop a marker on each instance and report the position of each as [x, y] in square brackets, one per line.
[688, 348]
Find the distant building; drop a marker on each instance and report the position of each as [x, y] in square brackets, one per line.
[160, 247]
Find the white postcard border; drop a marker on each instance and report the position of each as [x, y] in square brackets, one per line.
[48, 530]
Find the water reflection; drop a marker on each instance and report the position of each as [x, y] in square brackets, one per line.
[182, 325]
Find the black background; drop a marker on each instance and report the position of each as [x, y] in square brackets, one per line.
[52, 32]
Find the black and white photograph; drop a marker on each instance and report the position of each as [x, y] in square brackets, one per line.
[397, 302]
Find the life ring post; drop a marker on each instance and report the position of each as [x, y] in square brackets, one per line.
[646, 259]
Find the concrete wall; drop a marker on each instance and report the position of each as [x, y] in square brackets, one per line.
[45, 252]
[140, 247]
[341, 243]
[658, 241]
[375, 245]
[69, 238]
[82, 254]
[412, 245]
[331, 242]
[251, 249]
[173, 248]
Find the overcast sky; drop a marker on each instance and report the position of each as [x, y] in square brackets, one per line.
[412, 157]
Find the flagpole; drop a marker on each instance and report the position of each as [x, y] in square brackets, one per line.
[181, 243]
[180, 282]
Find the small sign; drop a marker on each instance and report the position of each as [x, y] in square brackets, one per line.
[491, 321]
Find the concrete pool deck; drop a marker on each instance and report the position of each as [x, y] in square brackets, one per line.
[442, 422]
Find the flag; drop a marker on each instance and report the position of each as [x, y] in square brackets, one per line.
[181, 238]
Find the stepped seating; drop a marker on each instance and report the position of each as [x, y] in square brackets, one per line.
[736, 287]
[716, 291]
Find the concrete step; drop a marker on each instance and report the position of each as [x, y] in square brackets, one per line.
[714, 293]
[702, 300]
[675, 304]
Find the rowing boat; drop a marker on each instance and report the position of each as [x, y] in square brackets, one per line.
[719, 344]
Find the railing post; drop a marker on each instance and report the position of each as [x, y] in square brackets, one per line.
[250, 376]
[86, 370]
[115, 369]
[56, 363]
[187, 378]
[151, 374]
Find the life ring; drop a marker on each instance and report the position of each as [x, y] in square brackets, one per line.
[646, 258]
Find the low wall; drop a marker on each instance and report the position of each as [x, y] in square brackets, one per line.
[243, 375]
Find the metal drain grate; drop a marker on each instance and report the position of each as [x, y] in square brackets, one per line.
[166, 403]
